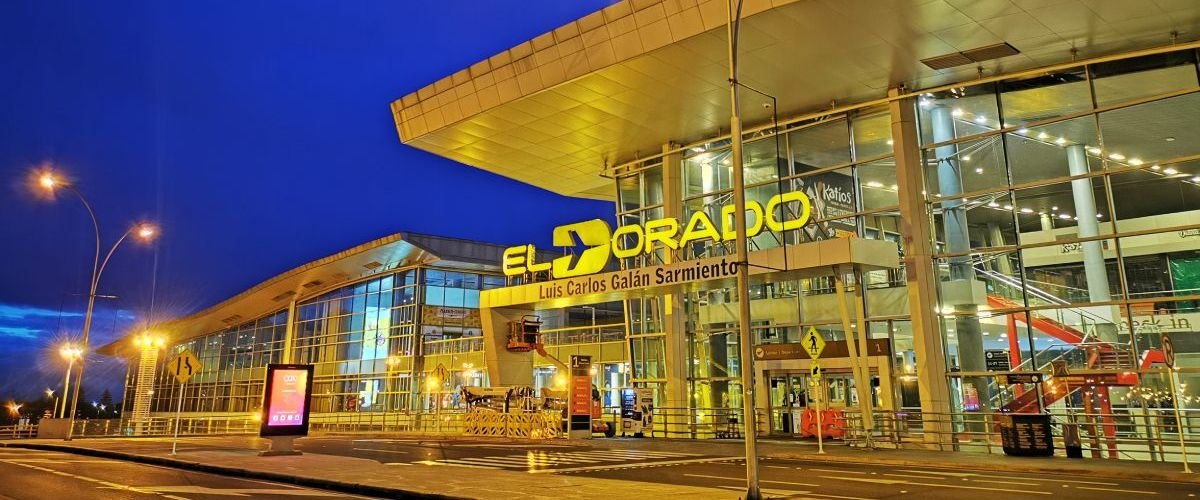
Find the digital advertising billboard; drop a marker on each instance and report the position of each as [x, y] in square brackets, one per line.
[286, 400]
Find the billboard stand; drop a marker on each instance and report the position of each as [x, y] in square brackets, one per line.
[286, 404]
[280, 445]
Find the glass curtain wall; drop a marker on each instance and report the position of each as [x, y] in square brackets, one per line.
[844, 163]
[234, 361]
[1066, 208]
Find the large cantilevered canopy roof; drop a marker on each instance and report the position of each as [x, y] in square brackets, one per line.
[314, 278]
[617, 84]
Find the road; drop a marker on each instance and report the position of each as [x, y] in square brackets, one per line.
[636, 462]
[780, 478]
[38, 475]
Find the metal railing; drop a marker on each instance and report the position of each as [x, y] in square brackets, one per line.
[1146, 434]
[18, 431]
[452, 346]
[584, 335]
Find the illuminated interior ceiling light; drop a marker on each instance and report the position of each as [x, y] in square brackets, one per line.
[957, 112]
[697, 149]
[1099, 216]
[1060, 141]
[925, 103]
[1043, 136]
[1093, 150]
[1026, 210]
[1155, 167]
[993, 204]
[1008, 207]
[1116, 156]
[1196, 179]
[1054, 207]
[1064, 216]
[1170, 171]
[1137, 162]
[890, 142]
[981, 119]
[1023, 131]
[1169, 139]
[979, 170]
[875, 184]
[967, 158]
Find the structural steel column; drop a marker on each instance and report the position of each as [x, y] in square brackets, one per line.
[674, 311]
[1093, 251]
[1088, 226]
[289, 334]
[960, 290]
[916, 233]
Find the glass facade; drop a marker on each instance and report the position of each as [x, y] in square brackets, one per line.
[1071, 200]
[1064, 210]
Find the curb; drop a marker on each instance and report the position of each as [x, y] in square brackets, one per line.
[309, 482]
[1035, 466]
[1179, 477]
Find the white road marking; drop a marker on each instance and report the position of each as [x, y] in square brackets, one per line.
[449, 464]
[791, 483]
[778, 493]
[939, 473]
[239, 492]
[1115, 490]
[1025, 492]
[634, 465]
[835, 471]
[81, 478]
[865, 480]
[1007, 481]
[402, 452]
[1052, 479]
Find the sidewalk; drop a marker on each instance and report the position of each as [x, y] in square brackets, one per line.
[361, 476]
[237, 456]
[807, 450]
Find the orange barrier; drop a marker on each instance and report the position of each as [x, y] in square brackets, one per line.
[833, 424]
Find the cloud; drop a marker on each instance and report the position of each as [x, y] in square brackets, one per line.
[20, 332]
[22, 312]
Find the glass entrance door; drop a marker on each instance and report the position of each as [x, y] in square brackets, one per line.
[789, 398]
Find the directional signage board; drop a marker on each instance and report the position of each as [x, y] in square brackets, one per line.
[183, 366]
[813, 343]
[996, 360]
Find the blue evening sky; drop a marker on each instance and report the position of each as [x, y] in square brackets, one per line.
[257, 134]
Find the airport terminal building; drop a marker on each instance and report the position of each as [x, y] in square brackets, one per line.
[954, 195]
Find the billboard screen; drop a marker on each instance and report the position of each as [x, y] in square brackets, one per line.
[286, 400]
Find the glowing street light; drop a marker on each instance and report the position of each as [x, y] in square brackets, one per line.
[14, 408]
[51, 182]
[69, 353]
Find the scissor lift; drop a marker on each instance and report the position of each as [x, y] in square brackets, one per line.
[525, 335]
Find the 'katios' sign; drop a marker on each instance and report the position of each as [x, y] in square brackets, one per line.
[629, 240]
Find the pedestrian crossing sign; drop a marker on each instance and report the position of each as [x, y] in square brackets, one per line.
[815, 371]
[813, 343]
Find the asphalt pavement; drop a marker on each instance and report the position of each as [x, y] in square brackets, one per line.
[491, 468]
[38, 475]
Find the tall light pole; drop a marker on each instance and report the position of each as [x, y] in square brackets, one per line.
[146, 232]
[741, 256]
[69, 353]
[53, 401]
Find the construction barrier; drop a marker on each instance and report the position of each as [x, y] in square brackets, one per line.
[533, 425]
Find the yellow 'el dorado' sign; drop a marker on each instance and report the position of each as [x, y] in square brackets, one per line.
[632, 239]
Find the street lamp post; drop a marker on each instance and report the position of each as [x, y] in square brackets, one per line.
[49, 182]
[69, 353]
[53, 401]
